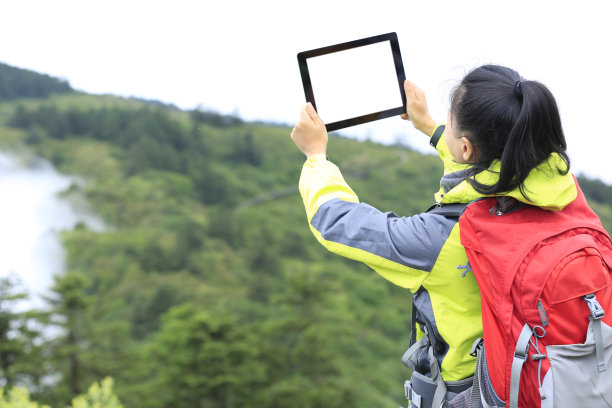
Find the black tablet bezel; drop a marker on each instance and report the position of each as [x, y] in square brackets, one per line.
[399, 70]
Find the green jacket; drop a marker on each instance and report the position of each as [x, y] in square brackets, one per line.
[423, 252]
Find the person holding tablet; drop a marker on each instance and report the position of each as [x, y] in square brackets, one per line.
[423, 252]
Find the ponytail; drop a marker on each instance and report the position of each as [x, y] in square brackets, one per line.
[508, 119]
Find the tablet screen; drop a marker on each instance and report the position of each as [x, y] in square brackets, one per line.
[355, 82]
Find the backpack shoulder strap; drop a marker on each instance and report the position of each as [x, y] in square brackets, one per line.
[449, 211]
[454, 210]
[520, 355]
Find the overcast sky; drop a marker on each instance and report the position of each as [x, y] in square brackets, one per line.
[240, 56]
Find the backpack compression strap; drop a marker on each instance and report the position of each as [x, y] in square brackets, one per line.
[597, 313]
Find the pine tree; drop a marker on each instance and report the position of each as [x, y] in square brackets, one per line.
[69, 304]
[203, 359]
[20, 335]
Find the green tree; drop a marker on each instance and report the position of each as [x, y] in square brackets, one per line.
[302, 347]
[20, 336]
[98, 396]
[20, 83]
[245, 150]
[202, 360]
[69, 305]
[17, 397]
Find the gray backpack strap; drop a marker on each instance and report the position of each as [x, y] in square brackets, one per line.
[412, 354]
[448, 210]
[597, 313]
[520, 355]
[477, 399]
[483, 394]
[410, 360]
[436, 376]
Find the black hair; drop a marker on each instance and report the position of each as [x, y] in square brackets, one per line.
[508, 118]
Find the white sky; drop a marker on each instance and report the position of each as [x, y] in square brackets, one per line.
[240, 56]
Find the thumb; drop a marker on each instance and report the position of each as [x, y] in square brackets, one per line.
[313, 114]
[408, 87]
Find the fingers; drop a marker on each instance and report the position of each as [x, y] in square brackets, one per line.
[308, 121]
[408, 88]
[305, 115]
[309, 133]
[312, 113]
[413, 92]
[416, 108]
[411, 97]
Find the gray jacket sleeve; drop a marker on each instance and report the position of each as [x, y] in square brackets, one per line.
[413, 242]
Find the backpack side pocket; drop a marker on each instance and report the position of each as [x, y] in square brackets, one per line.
[573, 379]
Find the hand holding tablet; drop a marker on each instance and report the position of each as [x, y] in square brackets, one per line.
[309, 133]
[355, 82]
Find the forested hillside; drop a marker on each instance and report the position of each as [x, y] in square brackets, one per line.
[20, 83]
[207, 289]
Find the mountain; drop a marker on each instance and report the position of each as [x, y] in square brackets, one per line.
[20, 83]
[208, 289]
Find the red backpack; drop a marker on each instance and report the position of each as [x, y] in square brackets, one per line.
[545, 280]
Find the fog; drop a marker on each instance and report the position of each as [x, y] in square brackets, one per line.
[33, 214]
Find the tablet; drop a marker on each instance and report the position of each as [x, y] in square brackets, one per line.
[355, 82]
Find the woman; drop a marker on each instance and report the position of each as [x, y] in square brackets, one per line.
[503, 138]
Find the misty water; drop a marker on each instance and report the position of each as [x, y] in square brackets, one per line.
[33, 214]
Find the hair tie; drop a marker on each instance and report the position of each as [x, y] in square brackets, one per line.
[517, 91]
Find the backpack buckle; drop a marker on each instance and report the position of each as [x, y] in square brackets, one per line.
[597, 311]
[476, 346]
[408, 389]
[496, 211]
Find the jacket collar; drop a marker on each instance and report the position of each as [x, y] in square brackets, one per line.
[545, 187]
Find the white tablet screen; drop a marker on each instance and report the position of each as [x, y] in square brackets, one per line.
[354, 82]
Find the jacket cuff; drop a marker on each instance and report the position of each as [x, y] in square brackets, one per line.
[437, 134]
[315, 158]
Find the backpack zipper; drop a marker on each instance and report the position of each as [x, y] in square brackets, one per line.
[543, 316]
